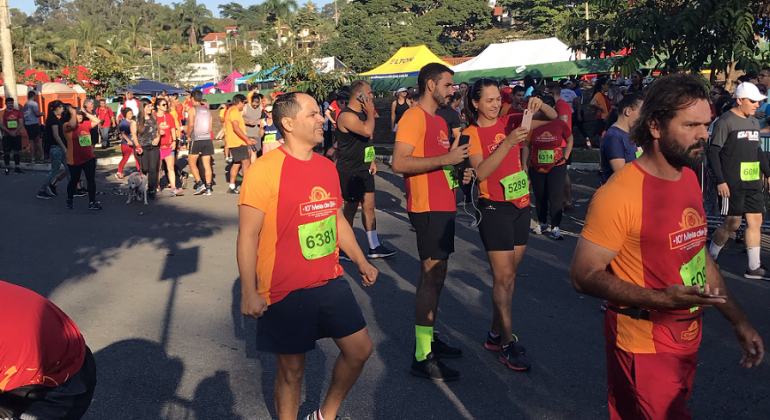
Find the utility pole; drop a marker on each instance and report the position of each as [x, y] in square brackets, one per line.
[6, 51]
[232, 79]
[29, 48]
[588, 37]
[337, 15]
[152, 63]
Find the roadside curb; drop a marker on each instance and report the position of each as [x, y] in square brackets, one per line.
[108, 161]
[584, 166]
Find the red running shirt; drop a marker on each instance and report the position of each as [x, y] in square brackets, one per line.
[547, 142]
[294, 203]
[80, 147]
[166, 123]
[39, 344]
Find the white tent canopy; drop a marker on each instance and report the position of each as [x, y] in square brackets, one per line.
[519, 53]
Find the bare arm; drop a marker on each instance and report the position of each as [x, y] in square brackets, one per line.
[350, 123]
[568, 150]
[485, 167]
[190, 119]
[95, 121]
[328, 114]
[617, 164]
[393, 115]
[250, 221]
[57, 138]
[405, 163]
[237, 130]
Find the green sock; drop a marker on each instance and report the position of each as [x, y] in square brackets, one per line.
[423, 336]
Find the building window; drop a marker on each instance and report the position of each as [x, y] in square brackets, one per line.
[213, 45]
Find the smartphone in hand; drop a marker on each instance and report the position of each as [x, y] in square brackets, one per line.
[709, 295]
[526, 122]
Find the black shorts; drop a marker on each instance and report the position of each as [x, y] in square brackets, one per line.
[11, 143]
[435, 234]
[742, 202]
[33, 131]
[202, 147]
[355, 184]
[293, 324]
[240, 153]
[503, 226]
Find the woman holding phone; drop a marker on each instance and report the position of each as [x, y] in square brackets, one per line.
[496, 149]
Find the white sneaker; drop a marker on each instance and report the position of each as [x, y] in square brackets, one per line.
[539, 229]
[556, 234]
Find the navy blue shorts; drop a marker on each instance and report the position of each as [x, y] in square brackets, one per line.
[293, 324]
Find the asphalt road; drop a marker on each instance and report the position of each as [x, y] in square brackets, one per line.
[155, 291]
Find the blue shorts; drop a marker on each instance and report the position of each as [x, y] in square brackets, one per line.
[293, 324]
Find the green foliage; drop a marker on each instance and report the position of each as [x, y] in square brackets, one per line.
[673, 35]
[543, 17]
[299, 74]
[110, 74]
[359, 43]
[243, 62]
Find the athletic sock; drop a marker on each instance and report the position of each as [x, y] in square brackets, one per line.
[753, 254]
[714, 250]
[232, 186]
[423, 336]
[495, 336]
[374, 240]
[320, 417]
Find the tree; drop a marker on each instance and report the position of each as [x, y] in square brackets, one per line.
[83, 40]
[280, 10]
[134, 30]
[544, 17]
[108, 74]
[357, 33]
[299, 74]
[194, 16]
[243, 62]
[674, 35]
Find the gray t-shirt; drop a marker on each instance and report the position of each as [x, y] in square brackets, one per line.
[739, 151]
[251, 114]
[31, 109]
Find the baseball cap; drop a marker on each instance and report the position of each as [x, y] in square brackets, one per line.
[401, 89]
[749, 91]
[564, 83]
[268, 108]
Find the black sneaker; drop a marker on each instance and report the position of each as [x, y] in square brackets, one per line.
[184, 176]
[380, 252]
[443, 350]
[80, 192]
[344, 256]
[208, 191]
[433, 369]
[69, 204]
[513, 359]
[760, 273]
[151, 195]
[233, 191]
[200, 189]
[18, 170]
[43, 194]
[94, 206]
[51, 189]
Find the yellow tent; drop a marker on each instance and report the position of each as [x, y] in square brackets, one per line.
[406, 62]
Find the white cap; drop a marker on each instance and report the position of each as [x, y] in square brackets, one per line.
[401, 89]
[750, 91]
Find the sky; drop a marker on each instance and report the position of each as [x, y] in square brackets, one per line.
[28, 6]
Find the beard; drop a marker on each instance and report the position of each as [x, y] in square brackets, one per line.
[442, 101]
[678, 156]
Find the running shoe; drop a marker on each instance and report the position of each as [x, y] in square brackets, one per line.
[556, 234]
[316, 416]
[443, 350]
[94, 206]
[51, 189]
[229, 159]
[18, 170]
[496, 344]
[208, 191]
[80, 192]
[43, 194]
[412, 229]
[200, 189]
[177, 192]
[513, 359]
[118, 175]
[70, 205]
[233, 191]
[344, 256]
[185, 176]
[151, 195]
[434, 369]
[380, 252]
[539, 229]
[760, 273]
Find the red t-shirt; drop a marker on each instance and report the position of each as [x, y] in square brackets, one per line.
[484, 141]
[180, 113]
[430, 191]
[299, 233]
[80, 147]
[106, 115]
[39, 344]
[13, 119]
[166, 123]
[563, 109]
[547, 142]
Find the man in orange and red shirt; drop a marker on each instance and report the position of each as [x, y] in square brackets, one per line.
[237, 140]
[422, 153]
[12, 124]
[291, 231]
[46, 369]
[643, 249]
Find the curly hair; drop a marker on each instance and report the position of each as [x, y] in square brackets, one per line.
[662, 100]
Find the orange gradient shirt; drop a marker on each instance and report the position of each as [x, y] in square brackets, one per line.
[279, 185]
[428, 134]
[233, 116]
[656, 227]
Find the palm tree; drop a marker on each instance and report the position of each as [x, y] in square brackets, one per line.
[84, 39]
[280, 9]
[134, 29]
[193, 15]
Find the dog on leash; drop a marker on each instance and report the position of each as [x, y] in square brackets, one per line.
[137, 188]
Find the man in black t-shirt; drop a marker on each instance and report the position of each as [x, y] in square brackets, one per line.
[736, 157]
[356, 166]
[53, 140]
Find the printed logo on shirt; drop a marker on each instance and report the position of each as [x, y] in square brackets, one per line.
[499, 137]
[692, 332]
[321, 204]
[692, 233]
[751, 135]
[443, 139]
[546, 136]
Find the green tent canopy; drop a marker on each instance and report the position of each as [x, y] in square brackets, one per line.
[538, 71]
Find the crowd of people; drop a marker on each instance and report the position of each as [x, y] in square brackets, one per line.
[308, 167]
